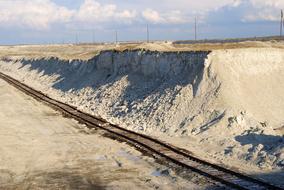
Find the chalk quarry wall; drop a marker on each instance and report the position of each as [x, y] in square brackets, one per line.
[165, 90]
[119, 86]
[224, 97]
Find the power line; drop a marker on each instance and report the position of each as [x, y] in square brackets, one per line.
[148, 37]
[281, 23]
[78, 32]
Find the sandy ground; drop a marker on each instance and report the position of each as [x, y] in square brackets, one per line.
[42, 150]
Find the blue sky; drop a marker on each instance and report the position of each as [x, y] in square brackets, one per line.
[57, 21]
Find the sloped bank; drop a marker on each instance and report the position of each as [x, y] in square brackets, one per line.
[229, 102]
[143, 85]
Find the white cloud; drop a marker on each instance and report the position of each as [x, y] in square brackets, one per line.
[269, 3]
[152, 16]
[176, 17]
[268, 10]
[37, 14]
[183, 11]
[264, 15]
[41, 14]
[189, 5]
[171, 17]
[236, 3]
[94, 12]
[127, 14]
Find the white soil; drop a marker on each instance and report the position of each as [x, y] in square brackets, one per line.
[226, 106]
[42, 150]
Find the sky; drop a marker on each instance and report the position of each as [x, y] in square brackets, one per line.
[68, 21]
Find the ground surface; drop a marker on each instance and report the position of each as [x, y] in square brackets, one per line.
[224, 105]
[42, 150]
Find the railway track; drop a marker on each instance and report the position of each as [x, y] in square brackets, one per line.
[172, 154]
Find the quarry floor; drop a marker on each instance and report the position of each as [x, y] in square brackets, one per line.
[40, 149]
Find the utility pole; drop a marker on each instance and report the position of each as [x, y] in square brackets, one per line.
[116, 38]
[195, 29]
[148, 34]
[281, 23]
[76, 38]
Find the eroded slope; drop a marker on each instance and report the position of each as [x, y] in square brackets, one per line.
[229, 102]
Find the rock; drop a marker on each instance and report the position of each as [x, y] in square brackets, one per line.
[272, 158]
[165, 172]
[258, 148]
[281, 163]
[262, 154]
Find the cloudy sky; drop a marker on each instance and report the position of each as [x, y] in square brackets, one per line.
[57, 21]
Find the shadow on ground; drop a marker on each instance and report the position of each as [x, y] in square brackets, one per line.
[275, 178]
[256, 139]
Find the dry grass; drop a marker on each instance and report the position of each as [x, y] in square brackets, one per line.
[87, 51]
